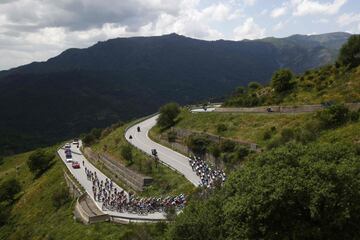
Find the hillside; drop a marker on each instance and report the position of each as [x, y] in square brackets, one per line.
[33, 215]
[84, 88]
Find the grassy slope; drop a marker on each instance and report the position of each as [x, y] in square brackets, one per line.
[313, 87]
[241, 126]
[34, 217]
[326, 84]
[165, 182]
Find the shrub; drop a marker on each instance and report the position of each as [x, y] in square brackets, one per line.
[60, 197]
[168, 114]
[287, 134]
[242, 152]
[39, 161]
[267, 135]
[8, 189]
[227, 146]
[221, 128]
[198, 143]
[126, 153]
[303, 135]
[334, 116]
[1, 160]
[281, 80]
[254, 85]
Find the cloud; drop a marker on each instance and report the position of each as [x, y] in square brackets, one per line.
[278, 26]
[277, 12]
[249, 2]
[348, 19]
[308, 7]
[53, 26]
[248, 30]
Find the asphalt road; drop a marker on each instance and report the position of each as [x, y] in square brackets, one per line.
[80, 176]
[171, 158]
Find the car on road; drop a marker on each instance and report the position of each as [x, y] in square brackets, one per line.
[75, 141]
[75, 165]
[67, 146]
[68, 157]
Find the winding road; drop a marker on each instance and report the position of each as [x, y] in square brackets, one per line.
[169, 157]
[142, 141]
[80, 176]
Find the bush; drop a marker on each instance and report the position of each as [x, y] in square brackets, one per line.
[168, 114]
[227, 146]
[126, 153]
[60, 197]
[221, 128]
[334, 116]
[281, 80]
[8, 189]
[242, 152]
[303, 135]
[1, 160]
[267, 135]
[287, 134]
[254, 85]
[198, 143]
[39, 161]
[292, 192]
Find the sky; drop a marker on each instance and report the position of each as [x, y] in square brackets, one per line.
[35, 30]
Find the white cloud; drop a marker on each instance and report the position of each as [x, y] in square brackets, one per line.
[277, 12]
[307, 7]
[348, 18]
[278, 26]
[249, 2]
[248, 30]
[219, 12]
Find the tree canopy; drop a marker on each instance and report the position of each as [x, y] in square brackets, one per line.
[281, 80]
[168, 114]
[350, 52]
[39, 161]
[292, 192]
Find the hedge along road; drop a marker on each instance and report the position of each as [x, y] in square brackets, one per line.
[169, 157]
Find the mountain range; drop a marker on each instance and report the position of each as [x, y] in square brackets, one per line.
[124, 78]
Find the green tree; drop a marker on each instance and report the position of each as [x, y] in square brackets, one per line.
[291, 192]
[254, 85]
[350, 52]
[39, 161]
[168, 114]
[281, 80]
[8, 189]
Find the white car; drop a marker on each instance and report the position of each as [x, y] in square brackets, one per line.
[67, 145]
[75, 141]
